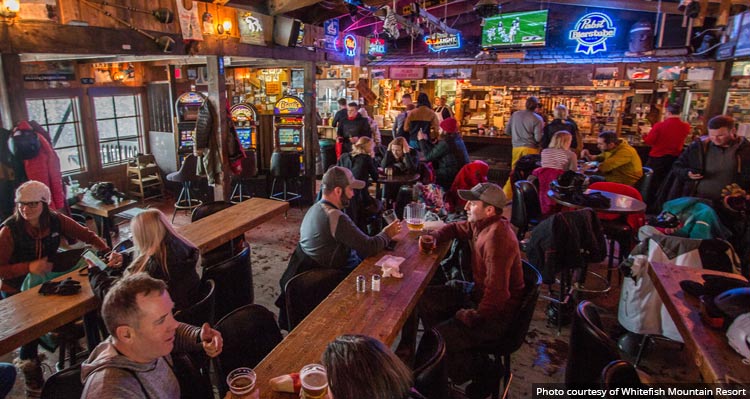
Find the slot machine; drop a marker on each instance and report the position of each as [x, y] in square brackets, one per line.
[245, 119]
[187, 108]
[288, 125]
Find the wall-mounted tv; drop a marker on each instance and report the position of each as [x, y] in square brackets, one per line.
[517, 29]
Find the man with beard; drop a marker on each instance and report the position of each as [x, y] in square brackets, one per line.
[328, 237]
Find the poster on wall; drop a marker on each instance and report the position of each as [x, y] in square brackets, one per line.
[743, 39]
[639, 73]
[668, 72]
[700, 74]
[251, 29]
[606, 73]
[378, 74]
[435, 73]
[741, 68]
[48, 71]
[298, 78]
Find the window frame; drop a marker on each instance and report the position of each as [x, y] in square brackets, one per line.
[140, 116]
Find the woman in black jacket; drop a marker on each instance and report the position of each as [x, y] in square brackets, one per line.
[162, 253]
[362, 164]
[448, 156]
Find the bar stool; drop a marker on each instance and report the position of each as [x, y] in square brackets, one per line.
[285, 165]
[186, 176]
[249, 170]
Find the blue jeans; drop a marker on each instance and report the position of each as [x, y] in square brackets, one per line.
[7, 378]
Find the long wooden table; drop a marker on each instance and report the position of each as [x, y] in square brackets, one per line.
[716, 360]
[27, 315]
[377, 314]
[214, 230]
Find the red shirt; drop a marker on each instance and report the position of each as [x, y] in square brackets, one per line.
[667, 137]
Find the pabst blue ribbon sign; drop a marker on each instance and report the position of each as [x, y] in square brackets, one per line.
[592, 31]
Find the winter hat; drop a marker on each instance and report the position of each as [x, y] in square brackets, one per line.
[449, 125]
[32, 191]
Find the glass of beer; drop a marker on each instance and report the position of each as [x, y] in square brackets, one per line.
[241, 382]
[314, 381]
[415, 213]
[389, 215]
[426, 243]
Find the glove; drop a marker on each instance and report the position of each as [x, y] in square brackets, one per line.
[64, 287]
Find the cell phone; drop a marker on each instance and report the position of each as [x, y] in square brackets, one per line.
[90, 255]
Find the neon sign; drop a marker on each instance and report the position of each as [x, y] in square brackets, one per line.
[443, 41]
[350, 45]
[377, 47]
[592, 31]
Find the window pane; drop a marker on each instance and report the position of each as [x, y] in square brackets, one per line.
[106, 129]
[125, 105]
[127, 126]
[103, 107]
[70, 159]
[59, 110]
[67, 137]
[36, 110]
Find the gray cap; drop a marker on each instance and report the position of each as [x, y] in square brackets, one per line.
[341, 177]
[486, 192]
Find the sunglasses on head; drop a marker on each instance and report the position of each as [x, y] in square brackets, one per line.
[30, 204]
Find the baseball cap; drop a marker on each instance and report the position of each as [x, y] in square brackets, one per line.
[338, 176]
[487, 192]
[32, 191]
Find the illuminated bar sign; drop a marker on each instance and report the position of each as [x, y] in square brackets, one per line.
[377, 47]
[442, 41]
[350, 45]
[592, 31]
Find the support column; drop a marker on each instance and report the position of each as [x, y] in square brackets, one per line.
[310, 133]
[12, 107]
[217, 94]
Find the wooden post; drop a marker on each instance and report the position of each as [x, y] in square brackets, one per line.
[217, 90]
[310, 133]
[12, 95]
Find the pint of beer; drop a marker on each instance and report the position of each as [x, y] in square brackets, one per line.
[314, 381]
[241, 383]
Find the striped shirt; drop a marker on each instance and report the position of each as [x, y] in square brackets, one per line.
[557, 158]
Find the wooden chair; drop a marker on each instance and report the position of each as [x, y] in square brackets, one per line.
[144, 178]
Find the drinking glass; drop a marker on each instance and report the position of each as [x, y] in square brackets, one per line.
[415, 213]
[426, 243]
[314, 381]
[241, 382]
[389, 215]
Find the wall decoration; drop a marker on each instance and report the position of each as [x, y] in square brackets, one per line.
[743, 39]
[639, 73]
[273, 88]
[741, 68]
[442, 41]
[700, 74]
[669, 72]
[406, 73]
[51, 71]
[331, 30]
[378, 74]
[591, 32]
[376, 47]
[251, 29]
[350, 45]
[435, 73]
[606, 73]
[298, 79]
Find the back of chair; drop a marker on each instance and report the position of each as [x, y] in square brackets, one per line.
[526, 205]
[532, 281]
[635, 220]
[189, 168]
[430, 376]
[234, 282]
[249, 333]
[306, 290]
[202, 311]
[285, 164]
[591, 349]
[65, 384]
[619, 373]
[643, 185]
[249, 165]
[208, 209]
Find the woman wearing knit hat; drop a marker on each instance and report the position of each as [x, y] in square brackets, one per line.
[448, 156]
[27, 239]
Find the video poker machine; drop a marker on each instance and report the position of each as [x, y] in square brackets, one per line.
[187, 108]
[288, 125]
[245, 119]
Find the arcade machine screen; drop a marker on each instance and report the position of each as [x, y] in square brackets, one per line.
[245, 135]
[289, 137]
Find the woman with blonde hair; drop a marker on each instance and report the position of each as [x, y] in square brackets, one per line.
[359, 366]
[362, 164]
[559, 155]
[162, 253]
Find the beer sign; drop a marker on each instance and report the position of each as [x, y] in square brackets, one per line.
[592, 31]
[251, 29]
[350, 45]
[377, 47]
[289, 106]
[443, 41]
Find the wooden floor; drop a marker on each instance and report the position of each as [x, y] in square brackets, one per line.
[541, 360]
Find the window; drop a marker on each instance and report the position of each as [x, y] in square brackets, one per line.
[119, 126]
[60, 117]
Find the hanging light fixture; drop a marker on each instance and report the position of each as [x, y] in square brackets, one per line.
[10, 8]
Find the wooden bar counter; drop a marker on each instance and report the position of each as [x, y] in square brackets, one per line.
[377, 314]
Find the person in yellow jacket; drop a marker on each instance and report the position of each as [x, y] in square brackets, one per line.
[619, 162]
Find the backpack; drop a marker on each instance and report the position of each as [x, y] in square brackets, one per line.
[24, 143]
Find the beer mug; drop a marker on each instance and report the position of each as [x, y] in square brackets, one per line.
[426, 243]
[389, 215]
[241, 382]
[314, 381]
[415, 213]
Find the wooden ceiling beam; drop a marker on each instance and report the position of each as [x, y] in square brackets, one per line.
[629, 5]
[277, 7]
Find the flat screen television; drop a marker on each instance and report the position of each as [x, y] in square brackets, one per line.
[517, 29]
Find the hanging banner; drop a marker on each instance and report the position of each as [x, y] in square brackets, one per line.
[406, 73]
[592, 31]
[442, 41]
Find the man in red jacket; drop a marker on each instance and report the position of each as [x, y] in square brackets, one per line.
[470, 315]
[666, 139]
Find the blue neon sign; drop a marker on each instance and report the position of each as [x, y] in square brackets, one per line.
[443, 41]
[350, 45]
[592, 31]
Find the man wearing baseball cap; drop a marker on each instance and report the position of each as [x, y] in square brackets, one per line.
[329, 239]
[470, 315]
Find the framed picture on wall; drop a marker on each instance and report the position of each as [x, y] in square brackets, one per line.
[298, 79]
[346, 73]
[606, 73]
[639, 73]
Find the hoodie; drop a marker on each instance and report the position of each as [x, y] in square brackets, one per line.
[109, 374]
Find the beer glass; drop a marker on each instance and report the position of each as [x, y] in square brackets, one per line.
[426, 243]
[389, 215]
[415, 213]
[314, 380]
[241, 382]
